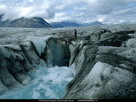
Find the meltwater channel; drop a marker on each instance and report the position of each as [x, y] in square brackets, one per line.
[48, 83]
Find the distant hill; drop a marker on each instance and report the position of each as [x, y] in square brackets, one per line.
[34, 22]
[93, 23]
[64, 24]
[72, 24]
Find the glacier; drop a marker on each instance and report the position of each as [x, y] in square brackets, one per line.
[101, 63]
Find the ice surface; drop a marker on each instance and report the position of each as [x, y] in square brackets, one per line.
[131, 43]
[48, 83]
[109, 72]
[104, 79]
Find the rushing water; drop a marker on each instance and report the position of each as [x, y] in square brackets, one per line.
[49, 83]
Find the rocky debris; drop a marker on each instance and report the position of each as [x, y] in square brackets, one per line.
[103, 58]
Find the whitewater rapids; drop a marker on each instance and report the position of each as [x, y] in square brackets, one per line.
[47, 83]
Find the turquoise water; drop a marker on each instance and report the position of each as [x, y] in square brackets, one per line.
[48, 83]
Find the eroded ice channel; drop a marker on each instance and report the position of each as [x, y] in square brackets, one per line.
[48, 83]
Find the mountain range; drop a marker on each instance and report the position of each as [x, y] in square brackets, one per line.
[73, 24]
[38, 22]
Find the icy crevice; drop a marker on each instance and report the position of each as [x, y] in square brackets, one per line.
[31, 55]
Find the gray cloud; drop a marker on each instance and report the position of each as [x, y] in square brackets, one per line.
[108, 11]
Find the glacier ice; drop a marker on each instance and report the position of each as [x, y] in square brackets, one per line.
[102, 81]
[39, 43]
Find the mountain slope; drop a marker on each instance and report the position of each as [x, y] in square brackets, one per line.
[34, 22]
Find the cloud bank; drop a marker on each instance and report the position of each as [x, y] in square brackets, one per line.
[107, 11]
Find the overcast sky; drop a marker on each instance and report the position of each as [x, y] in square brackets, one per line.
[107, 11]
